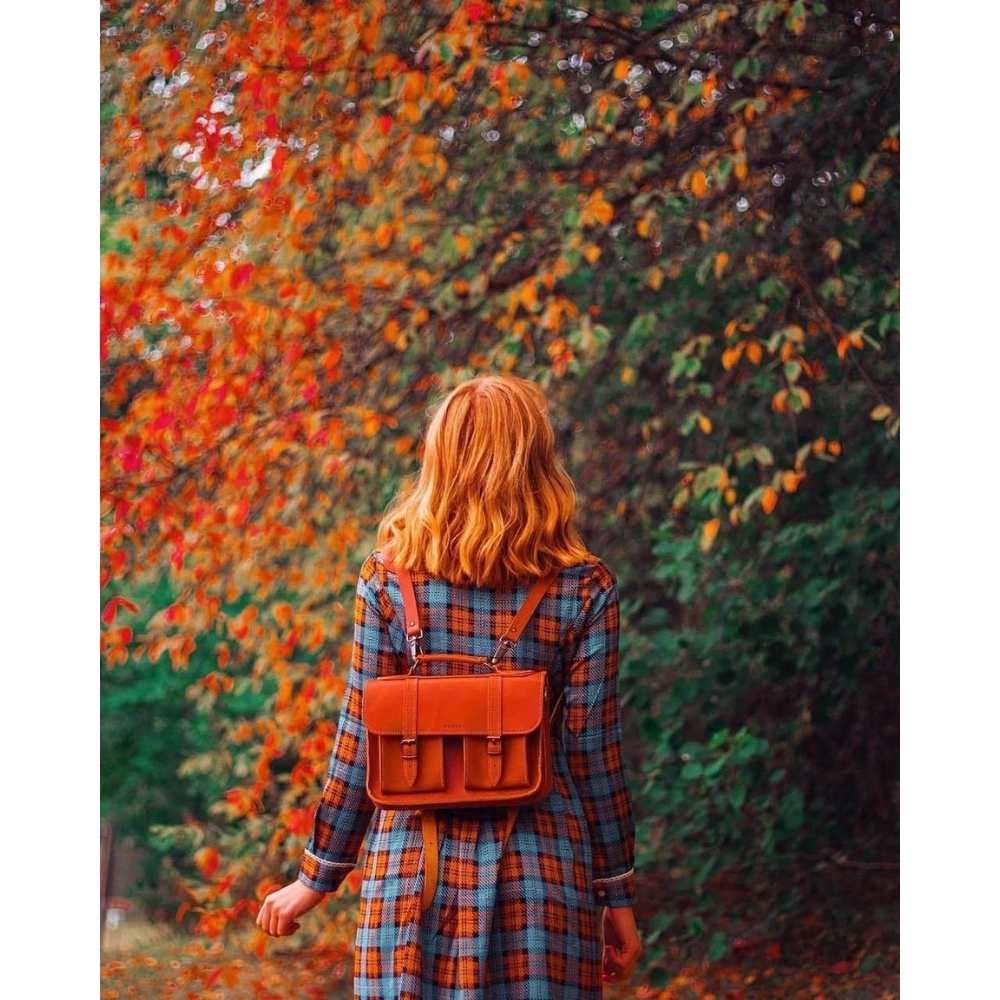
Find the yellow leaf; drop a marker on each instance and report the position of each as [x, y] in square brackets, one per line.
[463, 244]
[709, 530]
[790, 481]
[704, 424]
[654, 278]
[730, 496]
[741, 171]
[529, 295]
[628, 375]
[721, 262]
[699, 184]
[642, 226]
[591, 252]
[881, 412]
[621, 69]
[856, 193]
[833, 248]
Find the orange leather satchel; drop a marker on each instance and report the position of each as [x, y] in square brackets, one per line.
[458, 741]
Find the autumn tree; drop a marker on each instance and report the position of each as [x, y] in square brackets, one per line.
[680, 218]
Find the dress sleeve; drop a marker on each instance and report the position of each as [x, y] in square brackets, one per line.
[592, 735]
[344, 809]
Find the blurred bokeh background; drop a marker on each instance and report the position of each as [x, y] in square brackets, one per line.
[681, 219]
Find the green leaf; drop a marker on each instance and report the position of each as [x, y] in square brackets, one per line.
[718, 945]
[691, 770]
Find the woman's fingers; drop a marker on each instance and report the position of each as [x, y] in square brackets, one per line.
[279, 912]
[619, 962]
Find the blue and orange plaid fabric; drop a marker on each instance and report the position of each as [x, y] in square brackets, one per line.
[525, 924]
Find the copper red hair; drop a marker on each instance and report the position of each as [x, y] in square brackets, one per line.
[492, 503]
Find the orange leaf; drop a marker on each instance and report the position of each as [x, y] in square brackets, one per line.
[769, 500]
[207, 860]
[709, 530]
[790, 481]
[699, 184]
[731, 355]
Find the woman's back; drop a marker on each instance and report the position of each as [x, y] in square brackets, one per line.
[531, 918]
[520, 918]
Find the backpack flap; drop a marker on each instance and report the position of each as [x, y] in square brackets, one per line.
[461, 740]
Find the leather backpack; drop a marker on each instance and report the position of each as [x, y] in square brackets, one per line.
[460, 740]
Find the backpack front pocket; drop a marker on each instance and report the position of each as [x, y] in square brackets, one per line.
[513, 754]
[428, 754]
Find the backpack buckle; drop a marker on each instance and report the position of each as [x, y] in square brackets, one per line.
[413, 641]
[503, 646]
[408, 746]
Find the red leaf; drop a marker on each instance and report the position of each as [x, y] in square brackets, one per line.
[111, 608]
[841, 968]
[385, 123]
[240, 275]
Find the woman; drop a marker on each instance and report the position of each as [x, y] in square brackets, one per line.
[490, 512]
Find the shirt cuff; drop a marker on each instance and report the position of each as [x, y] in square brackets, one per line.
[618, 890]
[320, 875]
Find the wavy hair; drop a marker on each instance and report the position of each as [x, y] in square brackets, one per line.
[492, 503]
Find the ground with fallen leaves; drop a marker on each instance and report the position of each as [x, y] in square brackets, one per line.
[152, 961]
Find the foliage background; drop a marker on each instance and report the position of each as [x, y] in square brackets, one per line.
[682, 221]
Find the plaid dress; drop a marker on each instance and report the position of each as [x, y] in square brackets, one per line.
[524, 925]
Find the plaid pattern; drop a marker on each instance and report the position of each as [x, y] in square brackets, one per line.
[524, 926]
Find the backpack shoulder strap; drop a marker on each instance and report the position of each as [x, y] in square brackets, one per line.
[513, 631]
[411, 613]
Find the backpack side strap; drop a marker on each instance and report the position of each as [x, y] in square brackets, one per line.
[429, 831]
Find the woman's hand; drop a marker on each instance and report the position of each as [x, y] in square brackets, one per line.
[280, 910]
[622, 945]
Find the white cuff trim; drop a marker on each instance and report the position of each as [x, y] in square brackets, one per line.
[614, 878]
[330, 864]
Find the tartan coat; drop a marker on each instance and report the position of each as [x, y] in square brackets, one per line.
[525, 925]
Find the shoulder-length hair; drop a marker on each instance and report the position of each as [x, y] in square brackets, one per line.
[492, 503]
